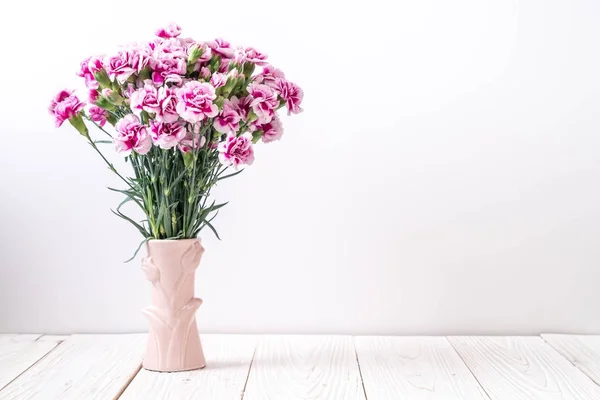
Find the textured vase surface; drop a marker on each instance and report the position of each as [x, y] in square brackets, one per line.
[173, 340]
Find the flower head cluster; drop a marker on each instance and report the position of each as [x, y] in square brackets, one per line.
[181, 111]
[179, 93]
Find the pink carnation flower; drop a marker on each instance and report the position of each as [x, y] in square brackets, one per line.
[95, 64]
[129, 91]
[170, 48]
[236, 150]
[170, 31]
[167, 135]
[88, 67]
[264, 101]
[228, 120]
[195, 101]
[167, 102]
[224, 66]
[186, 42]
[169, 70]
[132, 135]
[205, 72]
[291, 93]
[146, 99]
[268, 75]
[254, 56]
[218, 79]
[93, 95]
[98, 115]
[204, 57]
[239, 55]
[141, 56]
[119, 67]
[222, 47]
[242, 106]
[272, 131]
[192, 140]
[107, 92]
[64, 106]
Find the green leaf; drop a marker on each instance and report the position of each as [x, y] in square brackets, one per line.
[127, 200]
[167, 222]
[230, 175]
[131, 195]
[138, 249]
[215, 208]
[212, 228]
[103, 141]
[138, 226]
[176, 181]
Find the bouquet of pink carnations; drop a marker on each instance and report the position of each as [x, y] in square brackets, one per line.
[181, 112]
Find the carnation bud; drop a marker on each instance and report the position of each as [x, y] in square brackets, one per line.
[78, 124]
[240, 83]
[188, 159]
[219, 101]
[256, 135]
[233, 73]
[145, 117]
[252, 116]
[205, 72]
[111, 119]
[112, 96]
[144, 74]
[103, 102]
[195, 52]
[102, 78]
[248, 68]
[215, 63]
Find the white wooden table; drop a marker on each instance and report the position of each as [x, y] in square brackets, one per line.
[288, 367]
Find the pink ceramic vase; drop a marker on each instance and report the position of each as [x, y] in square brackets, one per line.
[173, 341]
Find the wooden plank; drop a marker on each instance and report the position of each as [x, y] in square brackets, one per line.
[583, 351]
[86, 367]
[416, 368]
[228, 359]
[18, 353]
[52, 338]
[304, 367]
[523, 368]
[18, 338]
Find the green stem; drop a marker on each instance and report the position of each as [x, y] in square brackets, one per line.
[110, 166]
[98, 126]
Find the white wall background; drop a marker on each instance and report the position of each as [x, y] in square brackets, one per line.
[444, 177]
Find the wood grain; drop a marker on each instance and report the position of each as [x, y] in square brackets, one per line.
[52, 338]
[415, 368]
[583, 351]
[228, 359]
[304, 367]
[90, 367]
[523, 368]
[18, 353]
